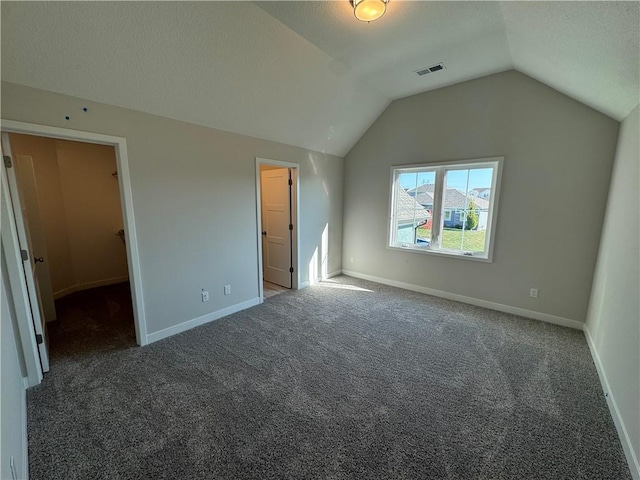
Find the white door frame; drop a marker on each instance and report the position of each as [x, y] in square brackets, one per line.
[14, 200]
[126, 197]
[295, 215]
[17, 286]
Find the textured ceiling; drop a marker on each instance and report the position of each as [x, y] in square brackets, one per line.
[308, 73]
[227, 65]
[588, 50]
[467, 36]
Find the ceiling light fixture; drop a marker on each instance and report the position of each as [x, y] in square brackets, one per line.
[369, 10]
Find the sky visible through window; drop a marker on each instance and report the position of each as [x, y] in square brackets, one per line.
[478, 178]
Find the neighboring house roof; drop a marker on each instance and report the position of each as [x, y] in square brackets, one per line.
[454, 199]
[427, 188]
[425, 198]
[408, 210]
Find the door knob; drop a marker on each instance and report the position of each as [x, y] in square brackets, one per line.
[38, 259]
[264, 233]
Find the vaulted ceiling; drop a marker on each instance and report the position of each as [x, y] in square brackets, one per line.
[308, 73]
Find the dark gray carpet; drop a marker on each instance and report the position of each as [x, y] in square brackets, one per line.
[345, 380]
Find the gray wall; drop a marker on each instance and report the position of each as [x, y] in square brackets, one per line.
[558, 156]
[194, 201]
[614, 312]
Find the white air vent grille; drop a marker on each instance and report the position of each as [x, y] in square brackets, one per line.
[431, 69]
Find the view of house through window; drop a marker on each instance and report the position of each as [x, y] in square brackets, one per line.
[445, 208]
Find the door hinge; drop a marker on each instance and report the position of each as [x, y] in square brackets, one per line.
[291, 226]
[290, 182]
[7, 161]
[290, 269]
[38, 339]
[25, 255]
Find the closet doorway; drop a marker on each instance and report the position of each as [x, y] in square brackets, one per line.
[72, 219]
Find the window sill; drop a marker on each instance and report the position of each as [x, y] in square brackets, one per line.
[443, 253]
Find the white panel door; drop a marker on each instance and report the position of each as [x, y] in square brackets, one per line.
[29, 264]
[35, 231]
[276, 218]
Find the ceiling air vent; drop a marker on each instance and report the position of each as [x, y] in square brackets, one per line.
[433, 68]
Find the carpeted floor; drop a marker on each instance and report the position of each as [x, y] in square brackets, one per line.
[344, 380]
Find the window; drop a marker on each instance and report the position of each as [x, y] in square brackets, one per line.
[434, 211]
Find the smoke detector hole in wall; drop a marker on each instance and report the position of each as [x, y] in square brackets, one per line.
[430, 69]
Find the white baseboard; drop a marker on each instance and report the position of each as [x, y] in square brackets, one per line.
[544, 317]
[632, 459]
[329, 275]
[196, 322]
[86, 286]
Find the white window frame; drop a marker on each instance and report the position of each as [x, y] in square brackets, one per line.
[440, 169]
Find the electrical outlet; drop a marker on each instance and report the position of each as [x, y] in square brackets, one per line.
[533, 293]
[205, 296]
[351, 260]
[227, 289]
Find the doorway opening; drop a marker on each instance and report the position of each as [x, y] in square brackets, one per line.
[69, 198]
[77, 273]
[277, 214]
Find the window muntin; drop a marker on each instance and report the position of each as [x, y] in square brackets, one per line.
[435, 207]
